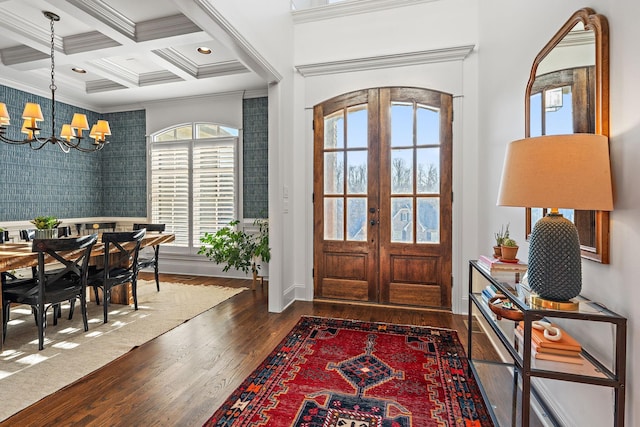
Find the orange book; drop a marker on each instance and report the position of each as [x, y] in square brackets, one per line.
[535, 347]
[567, 342]
[572, 357]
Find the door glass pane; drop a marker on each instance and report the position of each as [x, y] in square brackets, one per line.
[334, 130]
[333, 219]
[357, 172]
[333, 173]
[427, 126]
[401, 124]
[402, 220]
[428, 227]
[357, 127]
[357, 218]
[428, 179]
[402, 171]
[558, 111]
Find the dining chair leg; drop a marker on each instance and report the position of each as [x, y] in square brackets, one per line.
[42, 318]
[72, 306]
[134, 291]
[106, 296]
[95, 292]
[156, 249]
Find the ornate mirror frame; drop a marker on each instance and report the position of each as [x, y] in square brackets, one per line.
[598, 249]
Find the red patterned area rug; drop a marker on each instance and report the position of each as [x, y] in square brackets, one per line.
[345, 373]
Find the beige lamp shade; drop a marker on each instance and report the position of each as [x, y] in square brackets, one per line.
[33, 112]
[67, 132]
[25, 129]
[102, 127]
[558, 171]
[4, 115]
[80, 122]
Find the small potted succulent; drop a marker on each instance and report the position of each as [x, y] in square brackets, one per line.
[509, 250]
[500, 237]
[46, 227]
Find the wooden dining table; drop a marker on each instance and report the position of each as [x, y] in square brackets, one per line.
[19, 255]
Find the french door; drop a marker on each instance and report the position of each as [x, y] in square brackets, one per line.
[382, 197]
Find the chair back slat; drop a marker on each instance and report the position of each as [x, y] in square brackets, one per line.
[157, 228]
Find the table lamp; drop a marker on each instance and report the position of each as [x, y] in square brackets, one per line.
[556, 171]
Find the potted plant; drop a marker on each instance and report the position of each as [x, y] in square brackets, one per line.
[509, 250]
[46, 227]
[237, 248]
[500, 237]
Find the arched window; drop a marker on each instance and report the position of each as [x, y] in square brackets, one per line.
[194, 180]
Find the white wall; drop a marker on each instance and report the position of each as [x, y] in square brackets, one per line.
[511, 35]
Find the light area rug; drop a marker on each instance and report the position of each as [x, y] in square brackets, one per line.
[27, 375]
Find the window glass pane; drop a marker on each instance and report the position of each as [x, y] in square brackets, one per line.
[357, 172]
[333, 219]
[402, 220]
[333, 173]
[401, 124]
[535, 119]
[184, 132]
[568, 213]
[428, 179]
[207, 130]
[428, 227]
[169, 135]
[402, 171]
[558, 112]
[334, 130]
[357, 219]
[427, 126]
[357, 127]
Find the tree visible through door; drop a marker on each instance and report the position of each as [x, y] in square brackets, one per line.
[382, 197]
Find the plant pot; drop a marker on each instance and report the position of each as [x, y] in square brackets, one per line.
[46, 233]
[509, 252]
[497, 251]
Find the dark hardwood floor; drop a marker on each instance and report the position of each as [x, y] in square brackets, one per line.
[181, 377]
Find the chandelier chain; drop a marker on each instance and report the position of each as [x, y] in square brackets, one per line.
[53, 81]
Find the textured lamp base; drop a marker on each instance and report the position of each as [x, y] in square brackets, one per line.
[555, 266]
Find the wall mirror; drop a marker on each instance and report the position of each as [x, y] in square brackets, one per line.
[568, 92]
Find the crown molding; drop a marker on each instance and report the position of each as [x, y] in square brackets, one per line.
[20, 54]
[104, 13]
[177, 59]
[164, 27]
[457, 53]
[226, 68]
[352, 7]
[86, 42]
[102, 85]
[158, 77]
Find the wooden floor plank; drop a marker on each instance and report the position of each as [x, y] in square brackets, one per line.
[181, 377]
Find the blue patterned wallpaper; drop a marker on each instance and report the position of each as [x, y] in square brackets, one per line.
[111, 182]
[256, 160]
[69, 185]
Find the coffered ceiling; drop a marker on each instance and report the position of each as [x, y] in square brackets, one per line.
[133, 51]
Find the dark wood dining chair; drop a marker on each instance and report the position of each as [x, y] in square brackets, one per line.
[50, 289]
[151, 260]
[119, 266]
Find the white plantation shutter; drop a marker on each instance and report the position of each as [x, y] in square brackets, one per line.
[213, 186]
[193, 186]
[170, 189]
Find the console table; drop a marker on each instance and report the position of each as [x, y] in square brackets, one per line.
[522, 370]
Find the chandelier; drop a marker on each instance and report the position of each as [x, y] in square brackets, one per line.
[70, 135]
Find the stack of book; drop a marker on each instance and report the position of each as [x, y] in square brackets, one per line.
[566, 350]
[510, 272]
